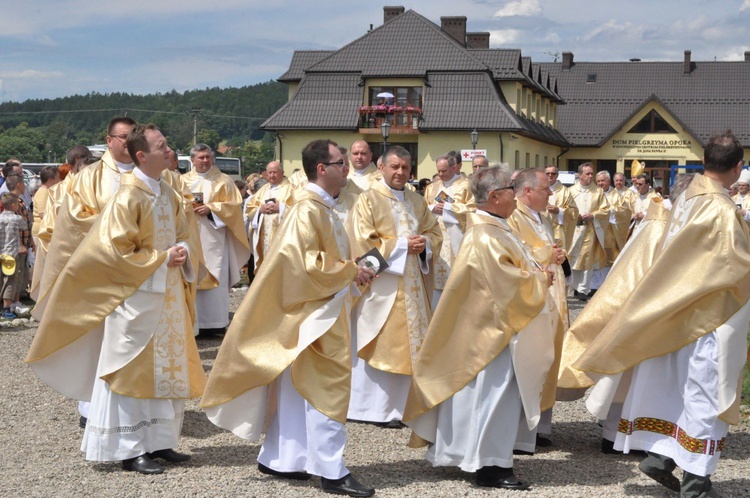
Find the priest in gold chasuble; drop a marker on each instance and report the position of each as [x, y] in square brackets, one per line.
[391, 318]
[284, 367]
[534, 230]
[742, 199]
[87, 194]
[562, 211]
[616, 231]
[218, 206]
[687, 354]
[265, 210]
[363, 170]
[587, 250]
[490, 344]
[117, 330]
[449, 198]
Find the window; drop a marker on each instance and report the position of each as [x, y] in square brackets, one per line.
[518, 159]
[652, 123]
[403, 96]
[528, 159]
[536, 161]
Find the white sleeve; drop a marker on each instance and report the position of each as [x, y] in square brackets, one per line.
[397, 259]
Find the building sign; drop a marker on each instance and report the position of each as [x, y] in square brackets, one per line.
[468, 154]
[651, 146]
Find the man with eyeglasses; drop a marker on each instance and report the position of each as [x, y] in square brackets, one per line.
[587, 251]
[218, 207]
[86, 195]
[479, 373]
[265, 210]
[391, 318]
[14, 167]
[561, 210]
[286, 357]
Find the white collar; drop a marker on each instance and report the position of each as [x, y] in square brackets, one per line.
[154, 185]
[123, 167]
[450, 182]
[327, 198]
[399, 194]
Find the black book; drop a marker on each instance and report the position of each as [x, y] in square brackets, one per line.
[374, 260]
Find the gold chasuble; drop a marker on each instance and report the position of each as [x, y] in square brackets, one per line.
[452, 222]
[393, 313]
[87, 194]
[634, 260]
[706, 235]
[265, 226]
[536, 234]
[54, 198]
[564, 223]
[587, 250]
[295, 313]
[224, 200]
[299, 178]
[494, 291]
[629, 197]
[365, 177]
[616, 234]
[642, 202]
[118, 278]
[741, 201]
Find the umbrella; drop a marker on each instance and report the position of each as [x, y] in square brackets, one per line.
[385, 95]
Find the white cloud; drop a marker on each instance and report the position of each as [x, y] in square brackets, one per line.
[745, 6]
[504, 37]
[521, 8]
[31, 74]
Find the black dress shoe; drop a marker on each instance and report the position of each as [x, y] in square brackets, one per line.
[169, 455]
[212, 333]
[608, 447]
[297, 476]
[523, 453]
[143, 465]
[666, 479]
[499, 477]
[592, 292]
[393, 424]
[347, 485]
[82, 422]
[581, 296]
[543, 442]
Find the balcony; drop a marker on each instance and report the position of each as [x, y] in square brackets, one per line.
[403, 120]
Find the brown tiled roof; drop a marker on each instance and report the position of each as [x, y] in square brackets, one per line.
[407, 45]
[322, 101]
[301, 60]
[714, 96]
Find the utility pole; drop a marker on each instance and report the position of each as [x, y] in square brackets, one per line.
[195, 113]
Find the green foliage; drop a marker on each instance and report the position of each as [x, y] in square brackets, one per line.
[232, 115]
[745, 387]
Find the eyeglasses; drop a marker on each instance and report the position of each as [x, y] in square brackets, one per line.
[339, 163]
[509, 187]
[121, 137]
[551, 173]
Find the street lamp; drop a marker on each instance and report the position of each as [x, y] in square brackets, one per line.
[385, 129]
[474, 139]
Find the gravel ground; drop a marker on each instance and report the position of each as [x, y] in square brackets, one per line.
[41, 440]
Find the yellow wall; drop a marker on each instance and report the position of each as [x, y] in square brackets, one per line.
[430, 146]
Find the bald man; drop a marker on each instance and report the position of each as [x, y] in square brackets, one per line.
[265, 209]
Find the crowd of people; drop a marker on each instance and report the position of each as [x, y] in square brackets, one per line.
[443, 310]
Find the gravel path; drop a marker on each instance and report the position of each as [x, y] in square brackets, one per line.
[40, 438]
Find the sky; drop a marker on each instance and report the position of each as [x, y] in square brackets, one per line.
[56, 48]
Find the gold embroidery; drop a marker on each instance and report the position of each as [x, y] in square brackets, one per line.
[666, 428]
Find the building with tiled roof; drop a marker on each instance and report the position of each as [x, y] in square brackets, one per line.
[447, 82]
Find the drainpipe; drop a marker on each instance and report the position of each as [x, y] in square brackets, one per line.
[502, 148]
[560, 155]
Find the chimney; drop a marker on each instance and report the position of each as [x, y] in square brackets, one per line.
[747, 55]
[455, 26]
[687, 65]
[567, 60]
[478, 40]
[391, 12]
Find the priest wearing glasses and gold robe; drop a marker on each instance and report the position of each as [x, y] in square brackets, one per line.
[480, 371]
[284, 367]
[117, 330]
[391, 317]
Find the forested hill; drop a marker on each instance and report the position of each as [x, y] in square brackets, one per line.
[230, 115]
